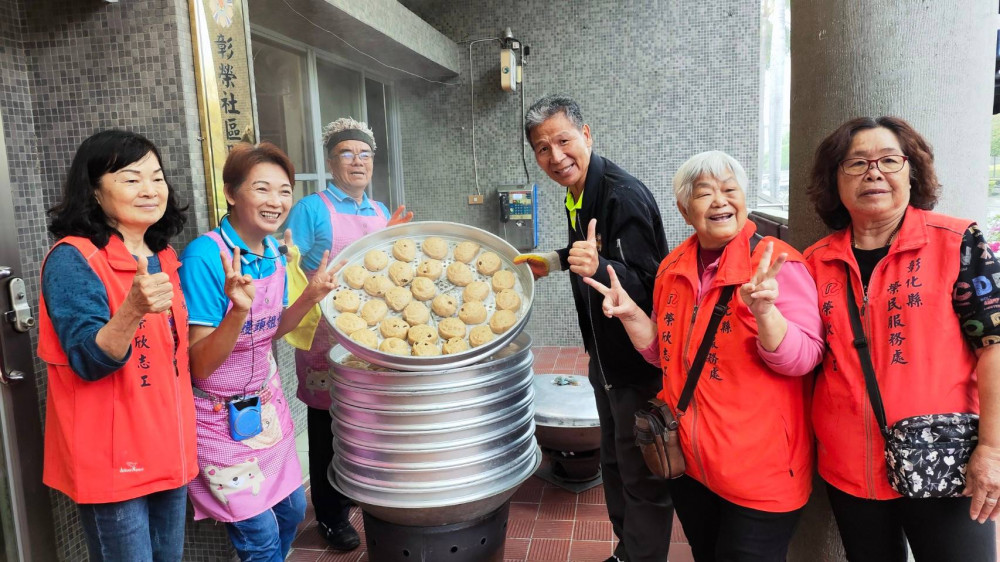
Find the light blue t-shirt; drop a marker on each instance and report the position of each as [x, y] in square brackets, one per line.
[203, 279]
[310, 223]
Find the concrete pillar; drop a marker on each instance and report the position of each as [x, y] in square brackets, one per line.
[929, 62]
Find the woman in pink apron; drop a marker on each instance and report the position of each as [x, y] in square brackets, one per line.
[249, 474]
[329, 221]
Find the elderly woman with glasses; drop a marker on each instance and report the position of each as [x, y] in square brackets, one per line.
[925, 296]
[745, 432]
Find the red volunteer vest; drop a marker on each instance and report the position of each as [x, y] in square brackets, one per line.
[131, 433]
[922, 361]
[745, 434]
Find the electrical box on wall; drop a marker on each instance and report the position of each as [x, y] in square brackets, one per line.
[508, 70]
[519, 215]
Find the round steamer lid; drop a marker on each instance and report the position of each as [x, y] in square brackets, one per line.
[564, 401]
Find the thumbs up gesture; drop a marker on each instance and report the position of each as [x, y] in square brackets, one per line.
[583, 259]
[149, 293]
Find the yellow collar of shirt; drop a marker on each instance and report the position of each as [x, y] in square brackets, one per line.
[573, 206]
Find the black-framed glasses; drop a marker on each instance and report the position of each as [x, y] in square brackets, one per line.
[347, 156]
[885, 164]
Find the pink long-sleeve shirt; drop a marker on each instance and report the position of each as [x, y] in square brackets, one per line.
[802, 347]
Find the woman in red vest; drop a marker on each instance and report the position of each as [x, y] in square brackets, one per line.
[113, 331]
[745, 432]
[925, 288]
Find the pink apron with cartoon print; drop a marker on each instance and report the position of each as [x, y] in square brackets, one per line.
[240, 479]
[312, 367]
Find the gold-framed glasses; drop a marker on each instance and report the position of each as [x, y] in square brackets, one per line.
[885, 164]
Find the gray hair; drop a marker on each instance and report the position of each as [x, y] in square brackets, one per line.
[347, 124]
[715, 163]
[547, 107]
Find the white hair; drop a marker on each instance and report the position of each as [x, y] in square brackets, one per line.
[343, 124]
[715, 163]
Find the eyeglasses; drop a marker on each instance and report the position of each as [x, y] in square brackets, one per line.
[347, 156]
[885, 164]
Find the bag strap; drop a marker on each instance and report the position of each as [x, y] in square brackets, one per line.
[861, 345]
[694, 373]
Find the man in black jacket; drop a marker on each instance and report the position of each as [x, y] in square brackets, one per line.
[613, 220]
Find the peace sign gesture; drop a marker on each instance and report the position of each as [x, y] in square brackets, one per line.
[762, 290]
[583, 259]
[238, 287]
[324, 280]
[617, 303]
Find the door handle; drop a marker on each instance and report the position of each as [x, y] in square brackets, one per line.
[5, 271]
[20, 313]
[11, 377]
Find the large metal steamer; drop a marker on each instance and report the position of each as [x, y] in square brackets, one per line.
[433, 449]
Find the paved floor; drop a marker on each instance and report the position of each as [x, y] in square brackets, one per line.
[546, 523]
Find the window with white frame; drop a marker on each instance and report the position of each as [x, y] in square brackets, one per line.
[774, 105]
[300, 89]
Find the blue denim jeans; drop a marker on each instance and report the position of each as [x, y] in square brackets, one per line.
[145, 528]
[268, 537]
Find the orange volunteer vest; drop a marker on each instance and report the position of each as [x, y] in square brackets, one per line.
[922, 361]
[745, 434]
[131, 433]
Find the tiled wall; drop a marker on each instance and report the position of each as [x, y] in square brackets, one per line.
[68, 69]
[658, 81]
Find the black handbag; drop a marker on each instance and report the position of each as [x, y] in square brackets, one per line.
[925, 456]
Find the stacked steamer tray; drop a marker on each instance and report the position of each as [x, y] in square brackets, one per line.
[432, 446]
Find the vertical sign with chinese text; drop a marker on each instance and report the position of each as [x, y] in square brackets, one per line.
[225, 87]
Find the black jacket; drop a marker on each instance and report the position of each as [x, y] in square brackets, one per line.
[630, 238]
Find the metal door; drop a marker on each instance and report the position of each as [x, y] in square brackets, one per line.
[25, 510]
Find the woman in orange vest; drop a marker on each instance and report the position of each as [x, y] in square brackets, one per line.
[926, 293]
[745, 432]
[113, 331]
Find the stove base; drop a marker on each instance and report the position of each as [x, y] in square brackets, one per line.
[575, 472]
[479, 540]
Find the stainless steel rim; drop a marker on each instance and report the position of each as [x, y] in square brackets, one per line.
[434, 465]
[445, 493]
[458, 433]
[419, 420]
[363, 378]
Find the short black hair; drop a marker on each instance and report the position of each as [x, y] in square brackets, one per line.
[79, 213]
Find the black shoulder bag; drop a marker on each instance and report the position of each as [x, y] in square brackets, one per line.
[925, 456]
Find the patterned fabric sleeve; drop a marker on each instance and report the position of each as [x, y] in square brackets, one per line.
[976, 295]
